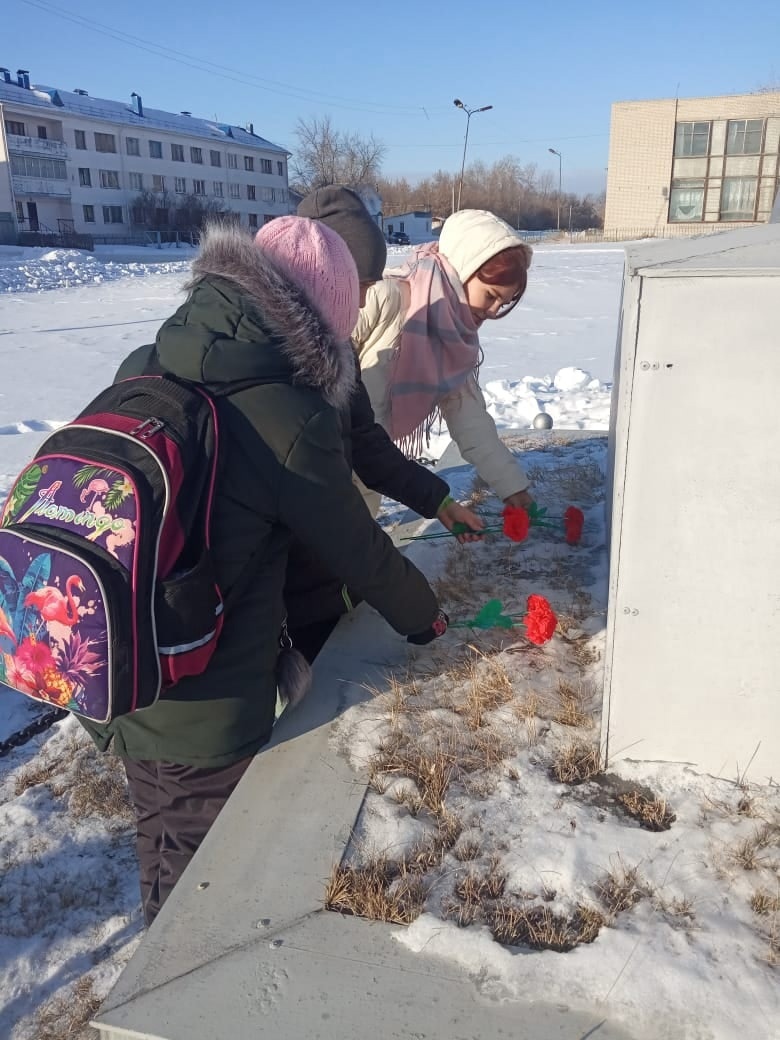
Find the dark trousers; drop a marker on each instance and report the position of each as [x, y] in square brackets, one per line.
[310, 639]
[175, 806]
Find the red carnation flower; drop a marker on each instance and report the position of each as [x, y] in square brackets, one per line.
[573, 520]
[540, 621]
[517, 523]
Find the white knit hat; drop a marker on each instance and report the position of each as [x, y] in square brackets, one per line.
[317, 260]
[470, 237]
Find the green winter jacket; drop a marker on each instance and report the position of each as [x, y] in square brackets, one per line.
[284, 473]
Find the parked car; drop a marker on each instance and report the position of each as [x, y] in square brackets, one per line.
[398, 238]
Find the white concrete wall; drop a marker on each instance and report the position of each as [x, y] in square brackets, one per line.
[693, 633]
[417, 228]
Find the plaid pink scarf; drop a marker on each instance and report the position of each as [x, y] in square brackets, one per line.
[438, 348]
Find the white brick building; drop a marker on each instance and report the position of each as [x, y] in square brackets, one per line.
[687, 165]
[70, 162]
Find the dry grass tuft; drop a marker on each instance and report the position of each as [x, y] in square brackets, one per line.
[99, 788]
[750, 853]
[652, 814]
[540, 929]
[576, 762]
[378, 890]
[475, 889]
[467, 850]
[621, 888]
[65, 1017]
[39, 771]
[572, 706]
[764, 903]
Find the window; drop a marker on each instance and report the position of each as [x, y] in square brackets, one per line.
[744, 136]
[252, 218]
[177, 152]
[20, 212]
[105, 143]
[216, 158]
[133, 146]
[136, 181]
[266, 166]
[85, 177]
[280, 169]
[112, 215]
[158, 182]
[269, 194]
[13, 127]
[268, 217]
[32, 166]
[738, 198]
[281, 195]
[81, 140]
[180, 185]
[250, 192]
[198, 187]
[196, 155]
[235, 191]
[686, 201]
[109, 179]
[89, 214]
[249, 163]
[692, 139]
[219, 189]
[42, 133]
[155, 149]
[232, 161]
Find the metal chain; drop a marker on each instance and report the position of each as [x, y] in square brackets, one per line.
[43, 722]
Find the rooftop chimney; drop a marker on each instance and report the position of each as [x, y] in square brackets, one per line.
[23, 78]
[78, 90]
[251, 128]
[138, 106]
[186, 113]
[6, 74]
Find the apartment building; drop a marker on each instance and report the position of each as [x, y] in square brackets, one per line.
[73, 163]
[681, 166]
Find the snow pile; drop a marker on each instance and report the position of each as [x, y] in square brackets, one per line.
[66, 268]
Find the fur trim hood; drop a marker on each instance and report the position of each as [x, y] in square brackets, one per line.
[470, 237]
[317, 358]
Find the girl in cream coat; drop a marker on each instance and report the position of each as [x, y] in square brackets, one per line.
[418, 344]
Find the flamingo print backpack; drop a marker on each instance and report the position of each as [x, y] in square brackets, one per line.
[107, 588]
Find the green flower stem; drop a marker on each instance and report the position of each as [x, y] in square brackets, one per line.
[448, 534]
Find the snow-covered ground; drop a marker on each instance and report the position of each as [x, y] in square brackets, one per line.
[68, 900]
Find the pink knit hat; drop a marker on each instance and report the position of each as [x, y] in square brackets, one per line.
[318, 262]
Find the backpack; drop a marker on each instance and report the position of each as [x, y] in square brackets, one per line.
[107, 589]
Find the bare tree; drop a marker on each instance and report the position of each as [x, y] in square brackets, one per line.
[326, 155]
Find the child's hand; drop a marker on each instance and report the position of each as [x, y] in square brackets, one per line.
[454, 513]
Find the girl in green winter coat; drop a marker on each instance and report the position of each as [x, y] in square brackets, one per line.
[273, 315]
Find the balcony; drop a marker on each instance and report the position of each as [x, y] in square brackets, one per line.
[35, 186]
[37, 146]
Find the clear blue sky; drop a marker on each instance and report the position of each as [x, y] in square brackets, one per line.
[551, 70]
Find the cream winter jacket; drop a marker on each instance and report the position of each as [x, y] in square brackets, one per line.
[473, 236]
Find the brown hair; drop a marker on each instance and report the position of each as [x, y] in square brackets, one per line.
[509, 267]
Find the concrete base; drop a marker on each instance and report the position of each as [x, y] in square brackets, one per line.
[243, 948]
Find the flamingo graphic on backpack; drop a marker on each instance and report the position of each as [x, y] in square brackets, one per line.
[107, 588]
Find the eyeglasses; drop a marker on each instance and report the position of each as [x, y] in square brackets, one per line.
[504, 308]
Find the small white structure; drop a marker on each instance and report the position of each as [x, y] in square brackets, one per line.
[416, 224]
[693, 630]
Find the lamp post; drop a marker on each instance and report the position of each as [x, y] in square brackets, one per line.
[560, 169]
[469, 113]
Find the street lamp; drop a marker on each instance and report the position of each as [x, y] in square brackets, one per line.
[469, 113]
[560, 168]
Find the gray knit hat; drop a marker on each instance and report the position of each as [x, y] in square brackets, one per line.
[343, 210]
